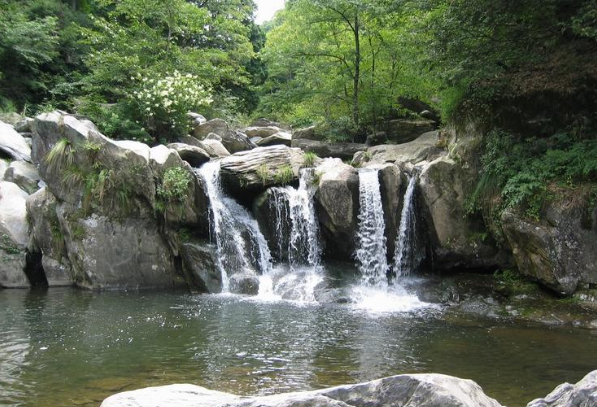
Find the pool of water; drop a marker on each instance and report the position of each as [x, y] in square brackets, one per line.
[66, 347]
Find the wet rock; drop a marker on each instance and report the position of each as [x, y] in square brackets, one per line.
[195, 156]
[261, 168]
[23, 174]
[337, 205]
[561, 251]
[47, 237]
[323, 149]
[200, 260]
[581, 394]
[14, 236]
[13, 144]
[246, 284]
[416, 390]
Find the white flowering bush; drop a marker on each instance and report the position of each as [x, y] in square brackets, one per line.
[164, 103]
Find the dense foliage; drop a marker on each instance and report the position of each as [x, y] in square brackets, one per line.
[524, 71]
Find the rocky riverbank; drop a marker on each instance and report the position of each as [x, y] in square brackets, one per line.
[77, 208]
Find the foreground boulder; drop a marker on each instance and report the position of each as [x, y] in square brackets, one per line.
[581, 394]
[13, 144]
[194, 155]
[261, 168]
[337, 205]
[417, 390]
[560, 252]
[14, 236]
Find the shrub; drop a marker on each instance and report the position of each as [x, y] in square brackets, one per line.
[163, 104]
[174, 187]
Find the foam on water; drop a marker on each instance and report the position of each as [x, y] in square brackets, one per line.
[392, 299]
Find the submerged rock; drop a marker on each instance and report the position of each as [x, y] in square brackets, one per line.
[581, 394]
[246, 284]
[416, 390]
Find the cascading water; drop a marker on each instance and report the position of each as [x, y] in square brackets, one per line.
[405, 253]
[241, 247]
[299, 230]
[297, 233]
[371, 251]
[375, 294]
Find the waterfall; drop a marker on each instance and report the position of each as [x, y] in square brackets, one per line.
[404, 254]
[297, 242]
[241, 247]
[296, 225]
[372, 251]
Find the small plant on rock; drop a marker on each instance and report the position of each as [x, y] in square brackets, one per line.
[284, 175]
[174, 187]
[310, 158]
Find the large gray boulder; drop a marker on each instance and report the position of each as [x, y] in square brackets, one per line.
[13, 144]
[280, 138]
[217, 126]
[47, 237]
[307, 133]
[560, 251]
[337, 205]
[214, 148]
[457, 241]
[344, 151]
[117, 252]
[404, 130]
[261, 168]
[194, 155]
[199, 258]
[87, 156]
[581, 394]
[263, 132]
[14, 236]
[417, 390]
[23, 174]
[421, 149]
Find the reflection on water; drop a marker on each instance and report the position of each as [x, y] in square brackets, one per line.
[68, 347]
